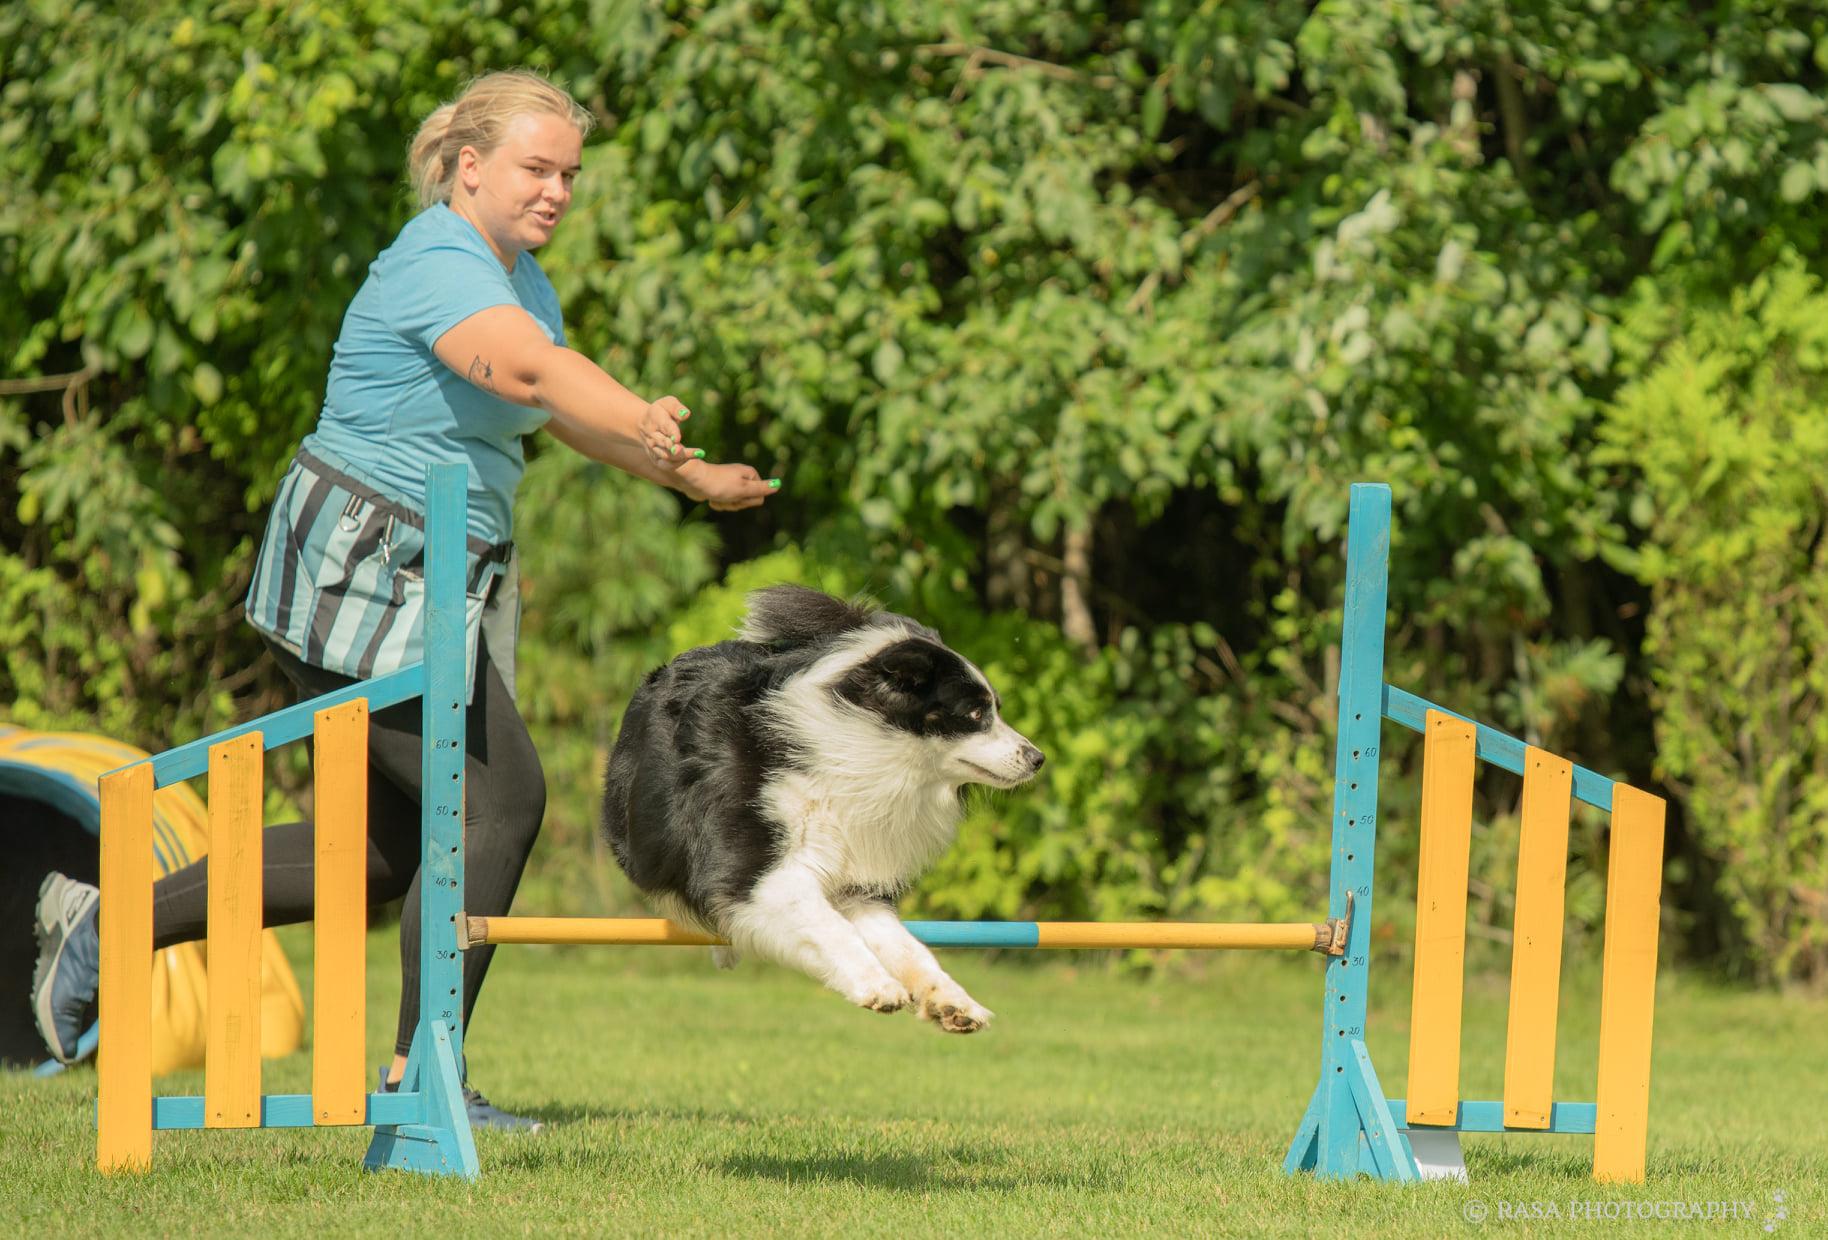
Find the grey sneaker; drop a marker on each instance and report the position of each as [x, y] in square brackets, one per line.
[69, 963]
[485, 1114]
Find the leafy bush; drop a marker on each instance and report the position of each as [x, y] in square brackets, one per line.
[1068, 327]
[1726, 420]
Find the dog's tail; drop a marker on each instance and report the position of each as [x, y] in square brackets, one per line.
[797, 613]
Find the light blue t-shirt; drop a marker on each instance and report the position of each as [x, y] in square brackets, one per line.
[391, 407]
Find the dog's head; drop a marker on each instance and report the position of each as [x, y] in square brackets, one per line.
[921, 688]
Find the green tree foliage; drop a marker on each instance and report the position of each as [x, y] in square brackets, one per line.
[1068, 326]
[1723, 416]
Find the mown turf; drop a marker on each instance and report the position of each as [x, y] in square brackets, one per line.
[682, 1101]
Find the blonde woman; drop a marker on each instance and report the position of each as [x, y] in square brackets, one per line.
[452, 350]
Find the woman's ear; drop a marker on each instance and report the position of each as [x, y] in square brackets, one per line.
[469, 168]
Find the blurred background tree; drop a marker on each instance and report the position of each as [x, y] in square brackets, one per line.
[1068, 326]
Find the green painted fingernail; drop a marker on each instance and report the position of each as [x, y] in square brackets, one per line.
[699, 453]
[775, 483]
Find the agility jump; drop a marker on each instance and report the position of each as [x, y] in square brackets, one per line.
[1350, 1126]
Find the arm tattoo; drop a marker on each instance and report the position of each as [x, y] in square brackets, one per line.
[482, 374]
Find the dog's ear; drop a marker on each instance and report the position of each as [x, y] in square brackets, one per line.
[907, 666]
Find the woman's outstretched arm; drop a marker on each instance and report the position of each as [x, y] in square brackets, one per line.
[503, 351]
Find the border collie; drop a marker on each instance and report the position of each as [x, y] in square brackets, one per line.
[784, 789]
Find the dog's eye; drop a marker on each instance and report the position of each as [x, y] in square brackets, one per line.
[977, 714]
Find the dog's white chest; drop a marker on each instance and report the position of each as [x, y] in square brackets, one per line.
[874, 836]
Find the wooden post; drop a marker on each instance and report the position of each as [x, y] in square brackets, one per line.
[1440, 920]
[124, 1054]
[1628, 986]
[231, 1066]
[1542, 872]
[339, 1092]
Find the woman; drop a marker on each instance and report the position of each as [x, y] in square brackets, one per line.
[452, 350]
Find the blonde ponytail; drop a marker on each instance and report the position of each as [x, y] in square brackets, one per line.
[425, 164]
[478, 118]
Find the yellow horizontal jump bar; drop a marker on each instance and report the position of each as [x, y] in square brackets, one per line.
[1328, 936]
[632, 931]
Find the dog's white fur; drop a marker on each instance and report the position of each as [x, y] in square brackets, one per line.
[862, 811]
[877, 812]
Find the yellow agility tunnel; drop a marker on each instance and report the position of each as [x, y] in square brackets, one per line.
[1349, 1128]
[49, 790]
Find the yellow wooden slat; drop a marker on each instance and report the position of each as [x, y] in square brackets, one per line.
[1542, 871]
[1628, 987]
[231, 1068]
[124, 1054]
[338, 1091]
[1440, 920]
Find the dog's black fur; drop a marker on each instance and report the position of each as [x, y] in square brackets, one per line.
[697, 741]
[825, 749]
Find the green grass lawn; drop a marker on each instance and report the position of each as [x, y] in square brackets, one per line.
[685, 1101]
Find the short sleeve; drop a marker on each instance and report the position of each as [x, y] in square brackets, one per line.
[435, 288]
[540, 298]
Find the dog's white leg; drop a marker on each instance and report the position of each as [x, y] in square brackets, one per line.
[942, 1000]
[789, 920]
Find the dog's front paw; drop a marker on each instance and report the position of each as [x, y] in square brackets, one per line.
[887, 995]
[955, 1011]
[725, 957]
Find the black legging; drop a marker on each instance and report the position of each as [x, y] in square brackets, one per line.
[504, 801]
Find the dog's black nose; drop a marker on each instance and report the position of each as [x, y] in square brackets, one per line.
[1034, 757]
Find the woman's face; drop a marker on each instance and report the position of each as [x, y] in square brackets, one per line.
[518, 192]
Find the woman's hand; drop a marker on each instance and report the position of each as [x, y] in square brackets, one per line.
[659, 431]
[727, 488]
